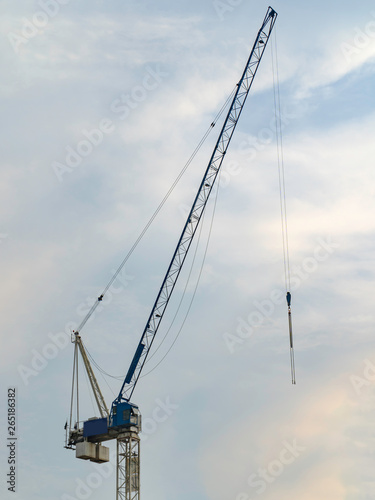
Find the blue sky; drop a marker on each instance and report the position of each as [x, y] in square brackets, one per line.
[233, 412]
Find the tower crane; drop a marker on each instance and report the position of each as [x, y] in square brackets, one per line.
[123, 420]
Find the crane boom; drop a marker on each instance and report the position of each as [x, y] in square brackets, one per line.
[197, 210]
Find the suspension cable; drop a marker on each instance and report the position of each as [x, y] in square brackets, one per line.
[100, 298]
[282, 191]
[77, 388]
[103, 372]
[144, 230]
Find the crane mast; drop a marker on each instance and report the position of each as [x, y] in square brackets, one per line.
[123, 421]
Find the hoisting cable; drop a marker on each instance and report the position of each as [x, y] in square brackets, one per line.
[144, 230]
[282, 189]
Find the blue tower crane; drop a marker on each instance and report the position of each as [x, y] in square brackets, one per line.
[123, 421]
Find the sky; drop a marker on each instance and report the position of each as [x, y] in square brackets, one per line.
[102, 105]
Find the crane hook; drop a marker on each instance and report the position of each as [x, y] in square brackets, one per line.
[292, 366]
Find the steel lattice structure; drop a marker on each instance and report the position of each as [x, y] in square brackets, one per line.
[127, 478]
[198, 207]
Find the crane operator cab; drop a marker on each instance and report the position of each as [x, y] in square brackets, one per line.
[126, 415]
